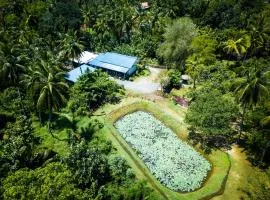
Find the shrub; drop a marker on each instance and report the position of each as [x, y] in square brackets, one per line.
[93, 90]
[88, 165]
[172, 80]
[54, 181]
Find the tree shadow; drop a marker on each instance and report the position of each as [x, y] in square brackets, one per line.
[208, 143]
[253, 152]
[62, 122]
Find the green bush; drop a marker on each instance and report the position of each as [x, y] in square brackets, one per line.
[142, 70]
[54, 181]
[172, 80]
[93, 90]
[88, 165]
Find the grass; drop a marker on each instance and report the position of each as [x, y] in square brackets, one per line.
[48, 142]
[221, 164]
[181, 92]
[242, 176]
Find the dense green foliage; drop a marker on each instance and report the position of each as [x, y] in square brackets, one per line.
[17, 149]
[94, 90]
[38, 184]
[171, 80]
[177, 46]
[223, 45]
[89, 166]
[211, 114]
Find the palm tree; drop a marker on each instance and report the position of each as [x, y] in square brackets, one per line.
[48, 88]
[252, 88]
[71, 46]
[11, 63]
[86, 13]
[259, 30]
[11, 66]
[237, 47]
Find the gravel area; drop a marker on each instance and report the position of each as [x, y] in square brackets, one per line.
[144, 85]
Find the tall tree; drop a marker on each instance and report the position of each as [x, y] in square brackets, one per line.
[71, 46]
[237, 47]
[93, 160]
[18, 148]
[48, 88]
[177, 45]
[259, 29]
[53, 181]
[12, 60]
[86, 14]
[11, 63]
[211, 114]
[204, 47]
[253, 88]
[194, 68]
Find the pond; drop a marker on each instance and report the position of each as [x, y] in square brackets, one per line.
[173, 162]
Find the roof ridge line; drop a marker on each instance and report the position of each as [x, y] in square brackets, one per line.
[113, 64]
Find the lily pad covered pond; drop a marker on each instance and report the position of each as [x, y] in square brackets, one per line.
[173, 162]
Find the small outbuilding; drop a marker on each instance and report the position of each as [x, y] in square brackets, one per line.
[184, 79]
[145, 5]
[115, 64]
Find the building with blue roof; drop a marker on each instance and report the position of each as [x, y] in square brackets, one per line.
[74, 74]
[115, 64]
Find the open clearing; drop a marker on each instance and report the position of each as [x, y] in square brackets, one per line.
[143, 85]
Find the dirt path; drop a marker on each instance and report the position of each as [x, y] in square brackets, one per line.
[153, 77]
[240, 174]
[143, 85]
[235, 176]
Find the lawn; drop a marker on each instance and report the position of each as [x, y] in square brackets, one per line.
[243, 178]
[241, 172]
[60, 130]
[48, 141]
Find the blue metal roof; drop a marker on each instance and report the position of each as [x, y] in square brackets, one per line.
[108, 66]
[114, 61]
[74, 74]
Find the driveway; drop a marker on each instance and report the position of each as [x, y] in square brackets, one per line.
[143, 85]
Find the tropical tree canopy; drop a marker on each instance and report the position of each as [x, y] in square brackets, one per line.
[177, 42]
[212, 113]
[209, 56]
[254, 87]
[47, 85]
[237, 47]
